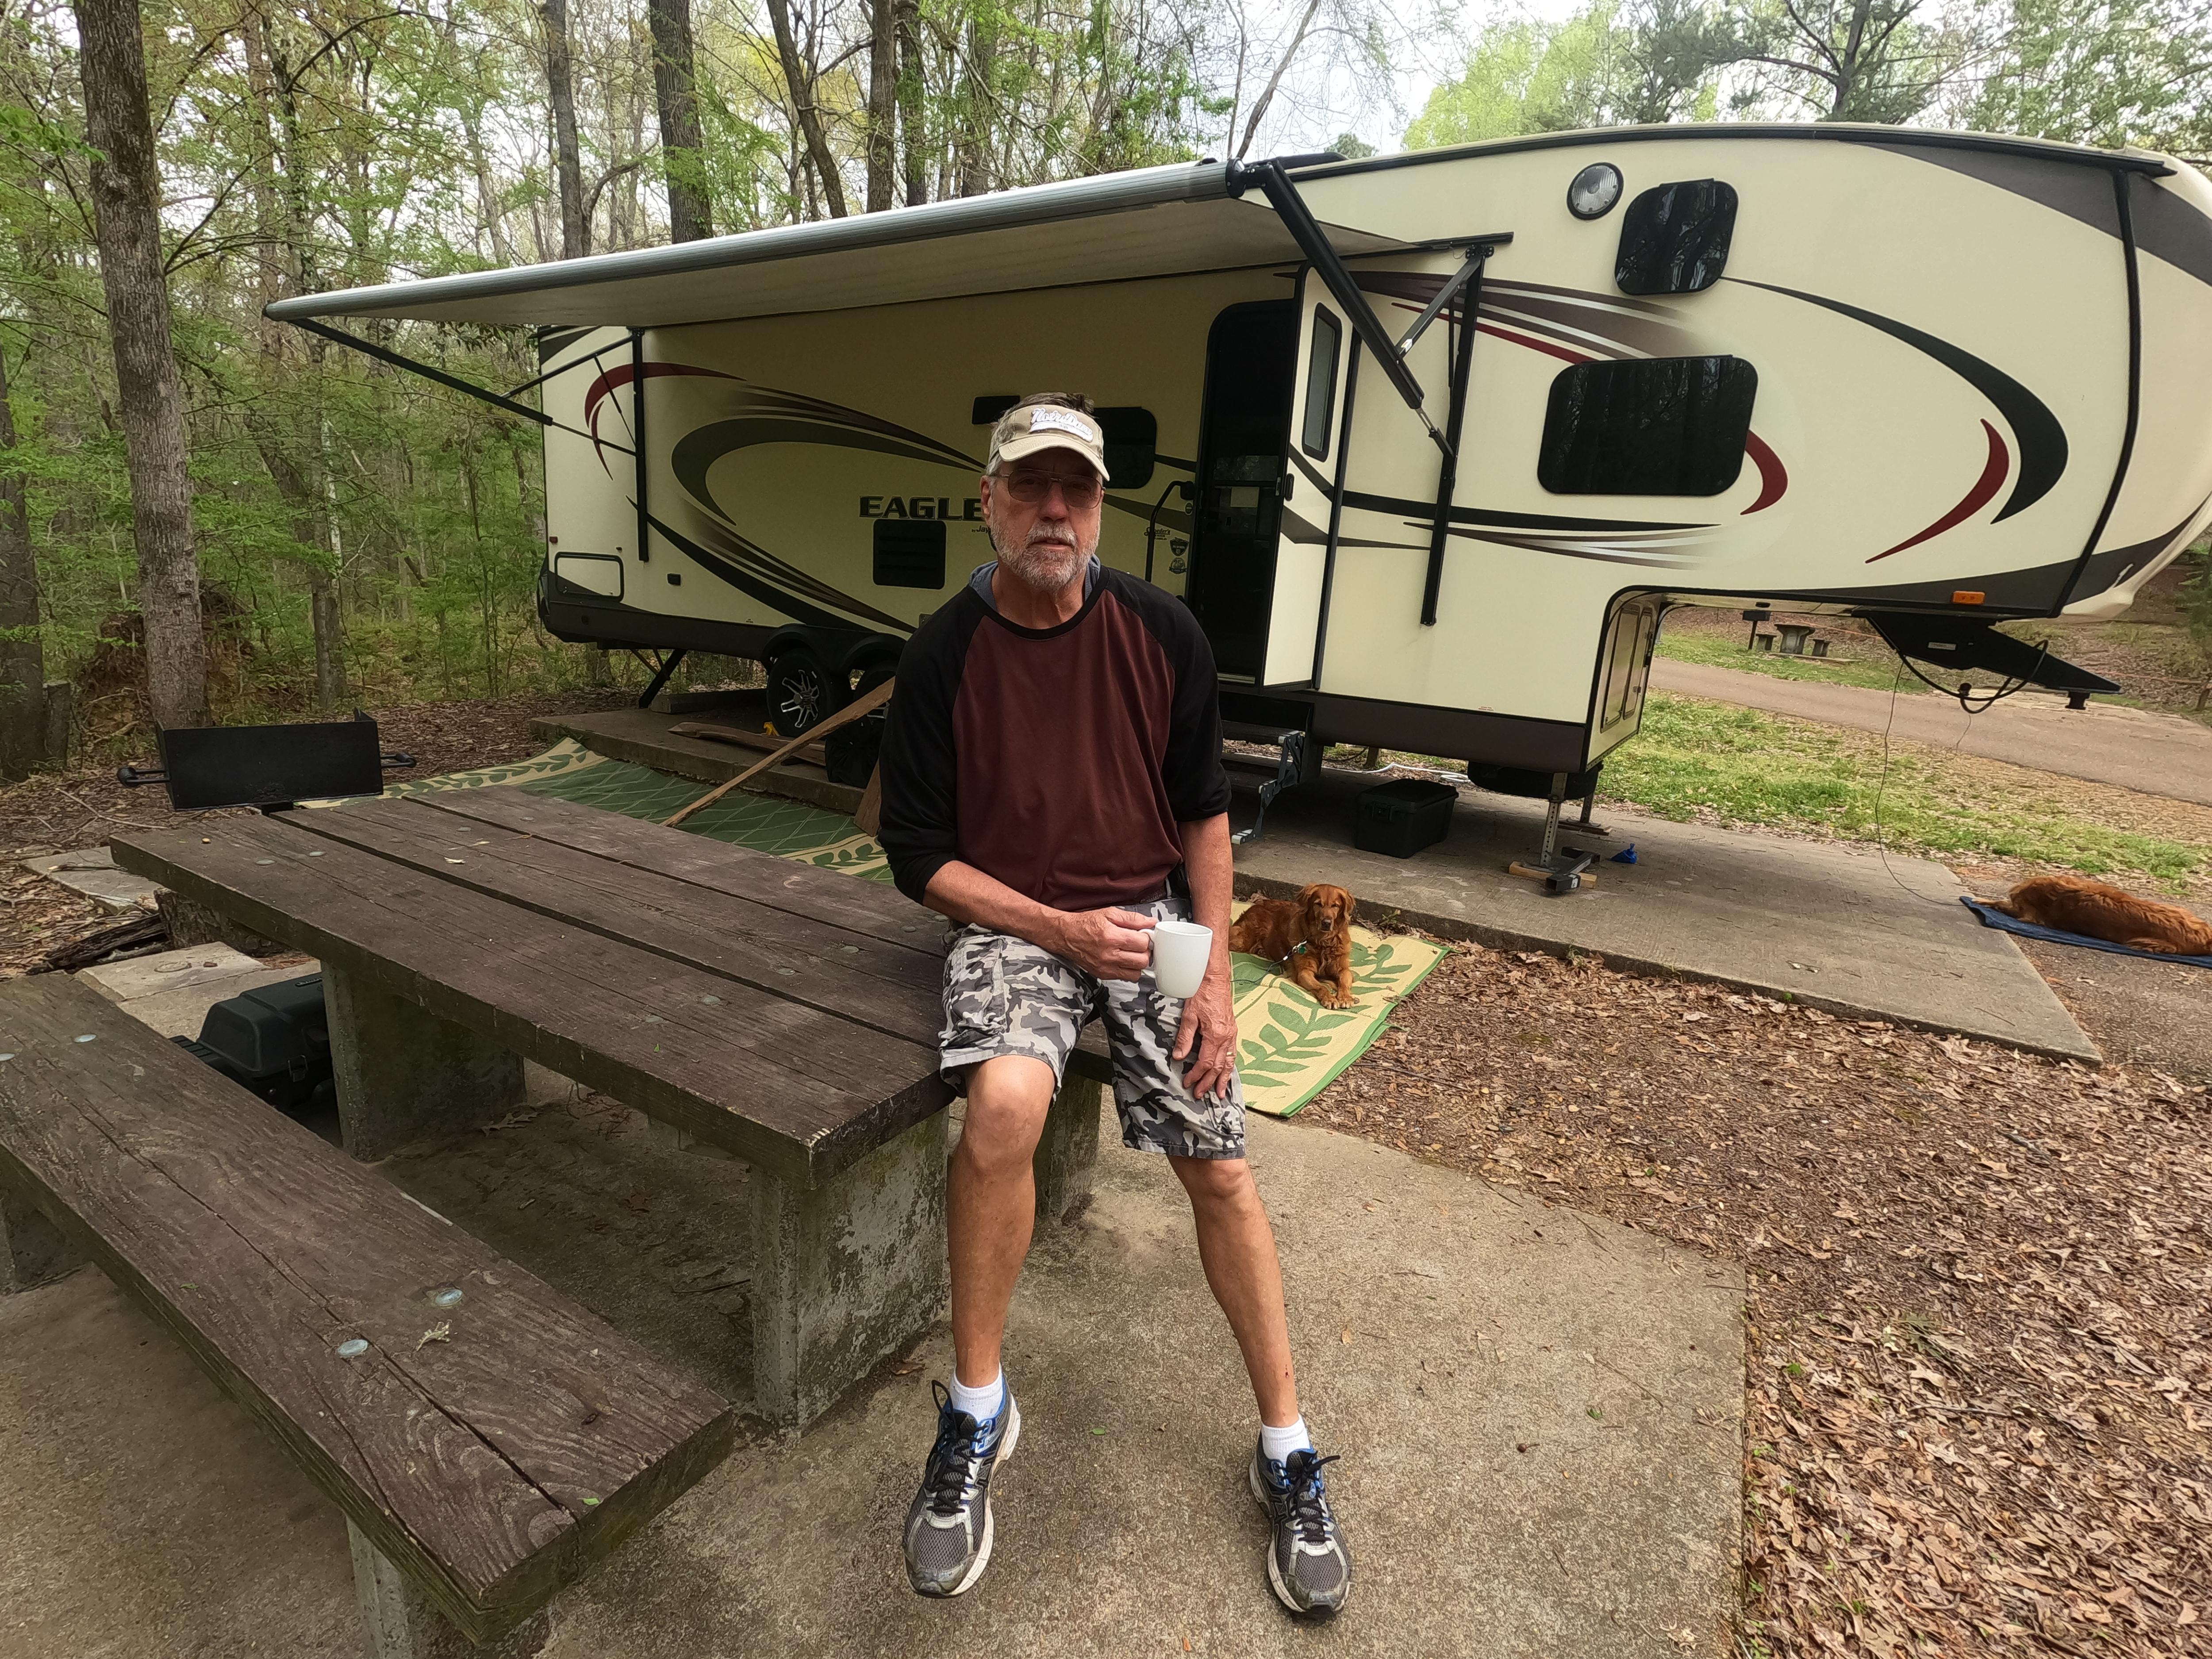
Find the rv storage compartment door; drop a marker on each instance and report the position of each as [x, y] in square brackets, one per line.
[1316, 430]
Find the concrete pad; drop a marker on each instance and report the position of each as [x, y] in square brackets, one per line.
[1833, 925]
[91, 871]
[1441, 1326]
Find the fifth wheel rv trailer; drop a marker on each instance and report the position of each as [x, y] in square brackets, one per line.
[1428, 442]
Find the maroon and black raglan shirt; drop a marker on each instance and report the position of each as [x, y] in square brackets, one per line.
[1058, 760]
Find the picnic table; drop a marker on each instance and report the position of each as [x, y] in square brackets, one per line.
[785, 1013]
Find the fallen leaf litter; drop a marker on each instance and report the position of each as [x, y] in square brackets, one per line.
[1978, 1405]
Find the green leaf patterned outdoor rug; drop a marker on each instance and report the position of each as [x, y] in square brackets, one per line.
[1290, 1048]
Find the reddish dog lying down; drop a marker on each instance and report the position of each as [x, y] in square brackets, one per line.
[2075, 904]
[1320, 919]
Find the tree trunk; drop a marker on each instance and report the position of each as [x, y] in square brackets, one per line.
[882, 104]
[690, 216]
[974, 159]
[567, 167]
[126, 202]
[908, 14]
[23, 652]
[800, 78]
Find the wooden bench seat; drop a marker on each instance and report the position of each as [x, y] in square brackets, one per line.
[487, 1438]
[785, 1013]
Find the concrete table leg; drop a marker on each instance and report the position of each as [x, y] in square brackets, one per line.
[1068, 1149]
[400, 1622]
[845, 1273]
[403, 1073]
[33, 1251]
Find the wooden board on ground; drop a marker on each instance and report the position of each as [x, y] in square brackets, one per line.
[766, 743]
[492, 1448]
[789, 1088]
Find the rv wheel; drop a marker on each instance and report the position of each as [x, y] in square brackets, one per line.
[801, 692]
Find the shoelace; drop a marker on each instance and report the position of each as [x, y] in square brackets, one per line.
[1309, 1497]
[953, 1456]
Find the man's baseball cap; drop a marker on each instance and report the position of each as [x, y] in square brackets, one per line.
[1029, 429]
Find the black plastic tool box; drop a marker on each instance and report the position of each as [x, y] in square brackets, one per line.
[1402, 816]
[274, 1040]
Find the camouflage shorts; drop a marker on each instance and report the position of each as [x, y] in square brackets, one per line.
[1005, 996]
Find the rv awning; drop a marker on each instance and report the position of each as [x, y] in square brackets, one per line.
[1155, 222]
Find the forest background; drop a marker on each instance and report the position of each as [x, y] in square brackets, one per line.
[349, 533]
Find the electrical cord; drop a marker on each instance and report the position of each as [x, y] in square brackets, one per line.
[1880, 841]
[1964, 691]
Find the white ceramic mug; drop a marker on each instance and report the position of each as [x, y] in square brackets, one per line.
[1181, 951]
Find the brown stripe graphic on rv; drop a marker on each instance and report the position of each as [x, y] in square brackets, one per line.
[2035, 430]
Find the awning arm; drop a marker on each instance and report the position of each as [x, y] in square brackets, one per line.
[1445, 296]
[1290, 207]
[431, 372]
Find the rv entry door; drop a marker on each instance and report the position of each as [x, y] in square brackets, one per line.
[1267, 451]
[1244, 434]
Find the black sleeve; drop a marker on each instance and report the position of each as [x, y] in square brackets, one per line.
[920, 828]
[1197, 785]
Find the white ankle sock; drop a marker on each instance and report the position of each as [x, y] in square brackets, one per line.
[984, 1403]
[1277, 1444]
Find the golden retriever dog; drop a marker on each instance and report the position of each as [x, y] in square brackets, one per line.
[1311, 935]
[2075, 904]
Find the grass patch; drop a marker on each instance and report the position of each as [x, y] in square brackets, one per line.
[1716, 651]
[1701, 760]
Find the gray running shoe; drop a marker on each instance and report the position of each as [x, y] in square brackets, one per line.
[948, 1525]
[1308, 1563]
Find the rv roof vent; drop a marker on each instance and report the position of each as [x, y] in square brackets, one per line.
[1674, 238]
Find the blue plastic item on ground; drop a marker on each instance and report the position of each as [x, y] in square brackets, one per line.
[1625, 856]
[1999, 919]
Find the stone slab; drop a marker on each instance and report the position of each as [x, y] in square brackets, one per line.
[170, 970]
[91, 871]
[1478, 1321]
[1837, 926]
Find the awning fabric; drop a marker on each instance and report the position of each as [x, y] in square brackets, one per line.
[1151, 223]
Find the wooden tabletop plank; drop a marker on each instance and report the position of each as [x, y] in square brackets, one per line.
[867, 906]
[492, 1447]
[785, 1087]
[852, 975]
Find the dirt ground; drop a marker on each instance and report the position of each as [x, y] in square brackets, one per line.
[1980, 1391]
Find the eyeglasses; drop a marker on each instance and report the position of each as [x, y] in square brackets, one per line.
[1077, 489]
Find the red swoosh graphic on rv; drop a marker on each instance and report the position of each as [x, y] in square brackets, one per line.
[1774, 477]
[1993, 475]
[615, 379]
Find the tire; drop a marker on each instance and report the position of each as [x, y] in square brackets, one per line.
[801, 692]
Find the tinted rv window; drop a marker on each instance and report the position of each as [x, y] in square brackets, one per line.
[1133, 436]
[989, 407]
[1321, 384]
[1651, 426]
[1674, 238]
[910, 553]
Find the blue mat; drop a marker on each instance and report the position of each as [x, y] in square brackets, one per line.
[2030, 930]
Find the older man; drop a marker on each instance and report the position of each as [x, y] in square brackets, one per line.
[1053, 783]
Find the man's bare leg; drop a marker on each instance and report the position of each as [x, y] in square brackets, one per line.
[991, 1204]
[1238, 1248]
